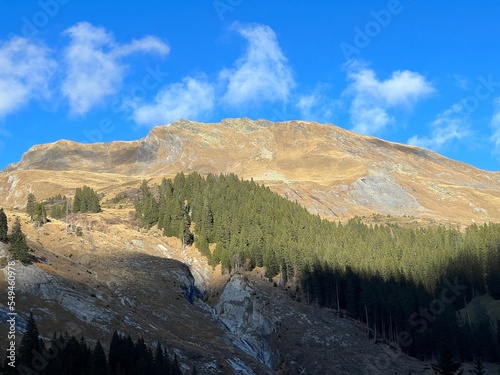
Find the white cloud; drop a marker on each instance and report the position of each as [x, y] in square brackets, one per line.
[190, 99]
[449, 126]
[25, 71]
[368, 119]
[317, 106]
[94, 66]
[373, 98]
[495, 125]
[262, 73]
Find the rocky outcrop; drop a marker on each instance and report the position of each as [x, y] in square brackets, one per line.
[33, 280]
[242, 311]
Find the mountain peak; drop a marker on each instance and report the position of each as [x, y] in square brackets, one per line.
[331, 171]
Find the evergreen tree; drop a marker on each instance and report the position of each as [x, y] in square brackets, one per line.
[3, 226]
[114, 357]
[446, 365]
[77, 200]
[18, 245]
[86, 200]
[146, 206]
[98, 361]
[479, 366]
[30, 343]
[31, 205]
[40, 214]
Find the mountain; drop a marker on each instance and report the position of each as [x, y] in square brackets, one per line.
[114, 275]
[331, 171]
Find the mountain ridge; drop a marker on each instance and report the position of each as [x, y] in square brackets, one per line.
[331, 171]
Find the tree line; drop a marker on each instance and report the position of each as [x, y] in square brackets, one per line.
[67, 355]
[379, 274]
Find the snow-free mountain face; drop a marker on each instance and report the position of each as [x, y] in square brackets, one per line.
[116, 277]
[333, 172]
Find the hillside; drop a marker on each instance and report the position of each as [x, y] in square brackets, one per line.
[242, 315]
[116, 278]
[331, 171]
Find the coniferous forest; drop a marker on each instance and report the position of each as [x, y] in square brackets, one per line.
[410, 286]
[67, 355]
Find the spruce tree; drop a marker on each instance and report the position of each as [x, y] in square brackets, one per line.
[40, 214]
[98, 361]
[31, 205]
[479, 366]
[446, 365]
[86, 200]
[3, 226]
[77, 200]
[114, 352]
[29, 342]
[18, 245]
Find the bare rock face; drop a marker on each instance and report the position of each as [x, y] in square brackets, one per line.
[243, 314]
[36, 282]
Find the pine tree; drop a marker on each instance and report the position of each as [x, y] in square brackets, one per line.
[18, 245]
[98, 361]
[77, 200]
[29, 342]
[40, 214]
[86, 200]
[31, 205]
[479, 366]
[446, 365]
[114, 352]
[3, 226]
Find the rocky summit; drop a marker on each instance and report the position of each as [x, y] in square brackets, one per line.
[331, 171]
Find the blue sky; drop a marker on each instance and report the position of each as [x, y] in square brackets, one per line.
[411, 71]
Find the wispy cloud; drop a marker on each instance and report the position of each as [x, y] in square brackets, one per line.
[449, 126]
[25, 71]
[461, 81]
[373, 98]
[495, 126]
[262, 74]
[317, 105]
[189, 99]
[94, 64]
